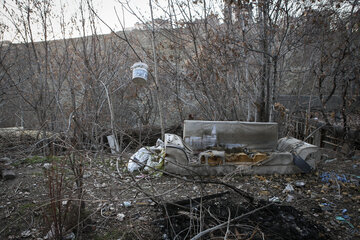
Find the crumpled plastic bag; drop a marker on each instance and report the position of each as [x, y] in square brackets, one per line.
[139, 159]
[155, 162]
[160, 143]
[149, 158]
[288, 188]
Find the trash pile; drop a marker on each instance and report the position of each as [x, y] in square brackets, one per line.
[148, 158]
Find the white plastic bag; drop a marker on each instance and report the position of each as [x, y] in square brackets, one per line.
[156, 161]
[149, 157]
[139, 159]
[159, 143]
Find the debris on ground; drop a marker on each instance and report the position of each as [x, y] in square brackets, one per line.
[148, 158]
[325, 201]
[228, 216]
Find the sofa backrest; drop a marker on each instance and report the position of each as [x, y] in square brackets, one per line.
[260, 136]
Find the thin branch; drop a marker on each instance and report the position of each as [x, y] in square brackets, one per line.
[209, 230]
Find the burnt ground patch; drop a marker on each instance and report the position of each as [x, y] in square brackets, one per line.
[230, 216]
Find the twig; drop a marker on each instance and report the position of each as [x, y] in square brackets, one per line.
[15, 192]
[338, 185]
[313, 132]
[240, 192]
[228, 225]
[117, 160]
[17, 188]
[199, 235]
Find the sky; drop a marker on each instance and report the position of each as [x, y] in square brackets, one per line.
[104, 8]
[106, 11]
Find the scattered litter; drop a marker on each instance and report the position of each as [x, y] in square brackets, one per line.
[26, 233]
[338, 197]
[342, 219]
[152, 203]
[87, 175]
[139, 159]
[120, 217]
[331, 160]
[342, 178]
[288, 188]
[274, 199]
[299, 183]
[100, 185]
[290, 198]
[69, 236]
[328, 176]
[326, 207]
[127, 204]
[148, 158]
[344, 215]
[140, 176]
[47, 166]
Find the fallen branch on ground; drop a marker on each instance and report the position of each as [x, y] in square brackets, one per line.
[209, 230]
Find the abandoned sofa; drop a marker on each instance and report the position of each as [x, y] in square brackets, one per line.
[210, 148]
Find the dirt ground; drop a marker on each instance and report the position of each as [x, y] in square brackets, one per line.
[129, 206]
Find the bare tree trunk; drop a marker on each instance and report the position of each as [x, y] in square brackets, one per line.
[264, 81]
[274, 90]
[156, 73]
